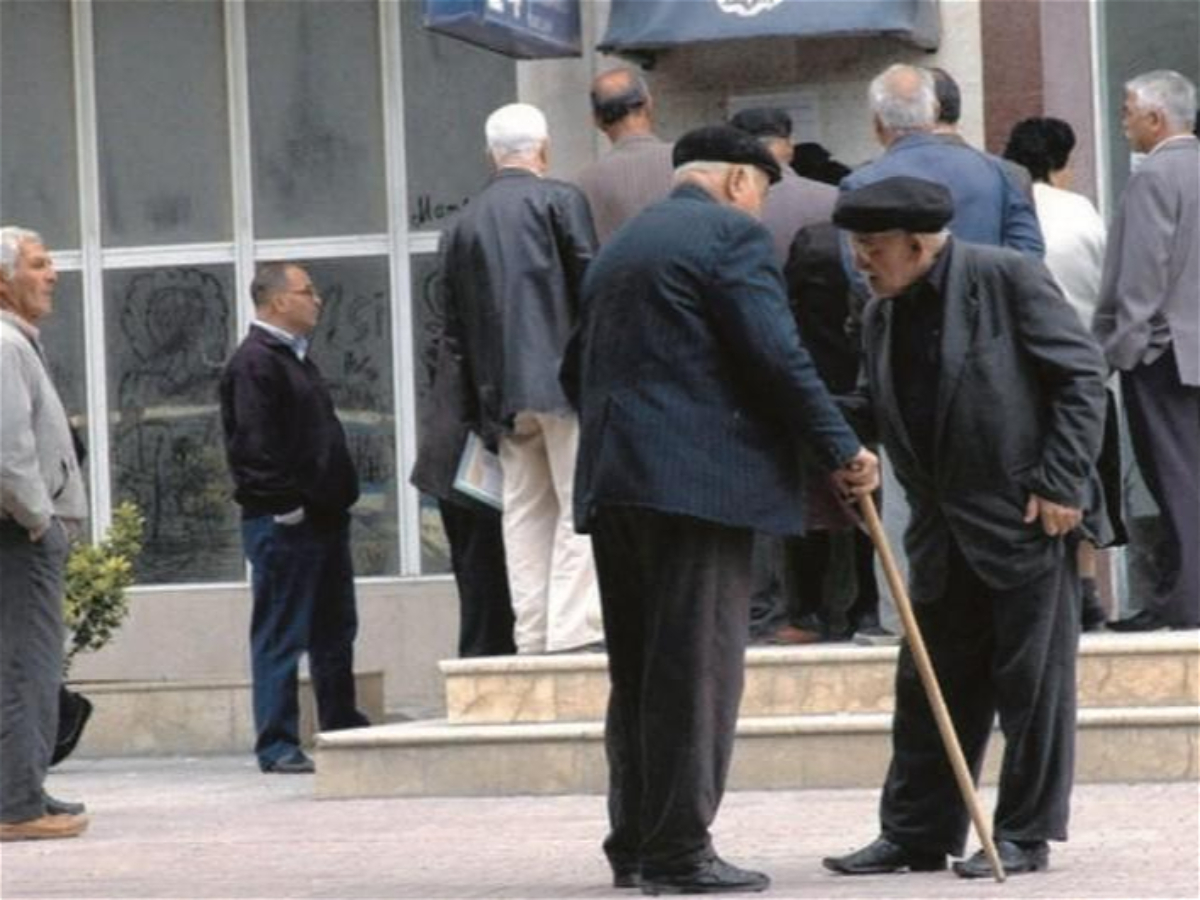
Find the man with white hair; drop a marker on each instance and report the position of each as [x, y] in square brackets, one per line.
[1148, 322]
[512, 265]
[988, 207]
[42, 506]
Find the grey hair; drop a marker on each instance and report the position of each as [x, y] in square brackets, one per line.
[517, 129]
[714, 167]
[11, 239]
[269, 279]
[1169, 93]
[904, 99]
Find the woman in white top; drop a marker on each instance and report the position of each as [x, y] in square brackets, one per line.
[1074, 235]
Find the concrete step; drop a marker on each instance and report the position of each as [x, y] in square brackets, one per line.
[1156, 669]
[201, 716]
[805, 751]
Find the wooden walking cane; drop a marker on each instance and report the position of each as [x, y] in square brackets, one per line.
[932, 691]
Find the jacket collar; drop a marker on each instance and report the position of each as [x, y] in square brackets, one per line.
[692, 192]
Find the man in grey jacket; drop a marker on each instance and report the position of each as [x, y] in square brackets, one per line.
[42, 505]
[1148, 322]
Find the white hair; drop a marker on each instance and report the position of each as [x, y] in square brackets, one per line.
[700, 165]
[1169, 93]
[12, 238]
[517, 129]
[904, 99]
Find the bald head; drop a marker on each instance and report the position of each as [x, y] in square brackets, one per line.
[621, 103]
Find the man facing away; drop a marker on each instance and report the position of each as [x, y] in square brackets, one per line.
[295, 482]
[42, 507]
[637, 170]
[695, 397]
[1148, 322]
[988, 395]
[512, 267]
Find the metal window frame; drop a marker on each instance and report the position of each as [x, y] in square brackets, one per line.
[92, 259]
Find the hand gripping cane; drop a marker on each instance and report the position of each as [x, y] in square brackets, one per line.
[933, 692]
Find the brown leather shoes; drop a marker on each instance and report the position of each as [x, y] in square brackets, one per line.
[791, 636]
[44, 828]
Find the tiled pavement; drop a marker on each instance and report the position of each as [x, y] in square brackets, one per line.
[215, 828]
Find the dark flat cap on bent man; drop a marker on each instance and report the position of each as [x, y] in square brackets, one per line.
[988, 394]
[695, 398]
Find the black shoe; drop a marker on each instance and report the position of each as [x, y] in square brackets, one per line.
[1092, 616]
[56, 807]
[713, 876]
[295, 763]
[626, 876]
[882, 856]
[1146, 620]
[74, 710]
[1017, 859]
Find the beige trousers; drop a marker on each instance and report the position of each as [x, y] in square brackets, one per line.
[551, 576]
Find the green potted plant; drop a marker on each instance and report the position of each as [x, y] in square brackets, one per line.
[95, 607]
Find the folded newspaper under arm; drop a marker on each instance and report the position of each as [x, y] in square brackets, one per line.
[479, 474]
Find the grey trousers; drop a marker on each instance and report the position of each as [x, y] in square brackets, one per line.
[31, 659]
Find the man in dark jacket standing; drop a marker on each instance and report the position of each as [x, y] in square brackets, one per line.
[511, 271]
[295, 482]
[695, 398]
[988, 395]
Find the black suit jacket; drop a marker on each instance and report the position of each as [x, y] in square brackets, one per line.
[1020, 409]
[695, 394]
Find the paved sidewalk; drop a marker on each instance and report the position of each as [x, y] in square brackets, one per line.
[215, 828]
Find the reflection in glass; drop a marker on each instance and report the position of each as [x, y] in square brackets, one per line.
[163, 122]
[169, 332]
[316, 118]
[352, 346]
[38, 186]
[471, 82]
[435, 549]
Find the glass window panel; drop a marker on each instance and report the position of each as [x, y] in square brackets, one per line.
[163, 122]
[316, 118]
[447, 162]
[38, 184]
[435, 549]
[353, 348]
[168, 333]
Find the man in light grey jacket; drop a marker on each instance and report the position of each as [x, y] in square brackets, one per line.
[1148, 322]
[42, 505]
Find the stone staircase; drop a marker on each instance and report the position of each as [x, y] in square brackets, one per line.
[816, 716]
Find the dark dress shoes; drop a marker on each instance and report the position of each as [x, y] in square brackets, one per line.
[1017, 859]
[1146, 620]
[881, 856]
[713, 876]
[295, 763]
[626, 877]
[56, 807]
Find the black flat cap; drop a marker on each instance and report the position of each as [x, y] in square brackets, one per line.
[900, 203]
[764, 121]
[722, 143]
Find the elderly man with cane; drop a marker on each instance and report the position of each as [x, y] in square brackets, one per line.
[988, 394]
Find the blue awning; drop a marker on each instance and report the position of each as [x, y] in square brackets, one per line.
[524, 29]
[647, 25]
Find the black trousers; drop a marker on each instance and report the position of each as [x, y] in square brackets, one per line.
[675, 592]
[1010, 653]
[485, 624]
[1164, 428]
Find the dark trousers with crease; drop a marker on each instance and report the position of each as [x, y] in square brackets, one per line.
[485, 620]
[675, 595]
[1008, 653]
[1164, 428]
[303, 584]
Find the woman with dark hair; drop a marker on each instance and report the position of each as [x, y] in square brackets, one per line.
[1075, 237]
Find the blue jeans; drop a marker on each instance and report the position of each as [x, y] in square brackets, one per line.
[303, 584]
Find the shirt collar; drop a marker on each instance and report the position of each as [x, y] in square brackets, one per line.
[297, 343]
[1172, 139]
[17, 322]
